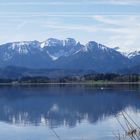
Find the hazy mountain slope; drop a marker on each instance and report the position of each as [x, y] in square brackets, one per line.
[131, 70]
[18, 72]
[94, 56]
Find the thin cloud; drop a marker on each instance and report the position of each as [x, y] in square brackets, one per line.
[72, 27]
[96, 15]
[118, 20]
[21, 25]
[76, 2]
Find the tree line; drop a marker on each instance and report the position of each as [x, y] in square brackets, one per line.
[69, 79]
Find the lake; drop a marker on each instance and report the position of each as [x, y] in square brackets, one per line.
[66, 112]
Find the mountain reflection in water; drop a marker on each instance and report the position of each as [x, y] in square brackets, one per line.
[56, 106]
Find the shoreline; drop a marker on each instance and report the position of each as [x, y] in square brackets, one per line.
[71, 83]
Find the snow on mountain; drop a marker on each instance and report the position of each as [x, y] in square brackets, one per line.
[94, 56]
[68, 53]
[92, 45]
[69, 42]
[125, 54]
[53, 57]
[51, 42]
[25, 54]
[53, 47]
[60, 48]
[23, 47]
[133, 54]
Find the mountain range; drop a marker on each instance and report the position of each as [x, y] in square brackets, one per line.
[67, 54]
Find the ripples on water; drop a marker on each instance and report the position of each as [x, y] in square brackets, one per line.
[73, 112]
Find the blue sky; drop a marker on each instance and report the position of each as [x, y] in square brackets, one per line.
[115, 23]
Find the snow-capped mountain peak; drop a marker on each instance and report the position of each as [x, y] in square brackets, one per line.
[24, 46]
[92, 45]
[69, 42]
[51, 42]
[68, 53]
[60, 48]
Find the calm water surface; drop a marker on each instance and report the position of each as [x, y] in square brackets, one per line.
[65, 112]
